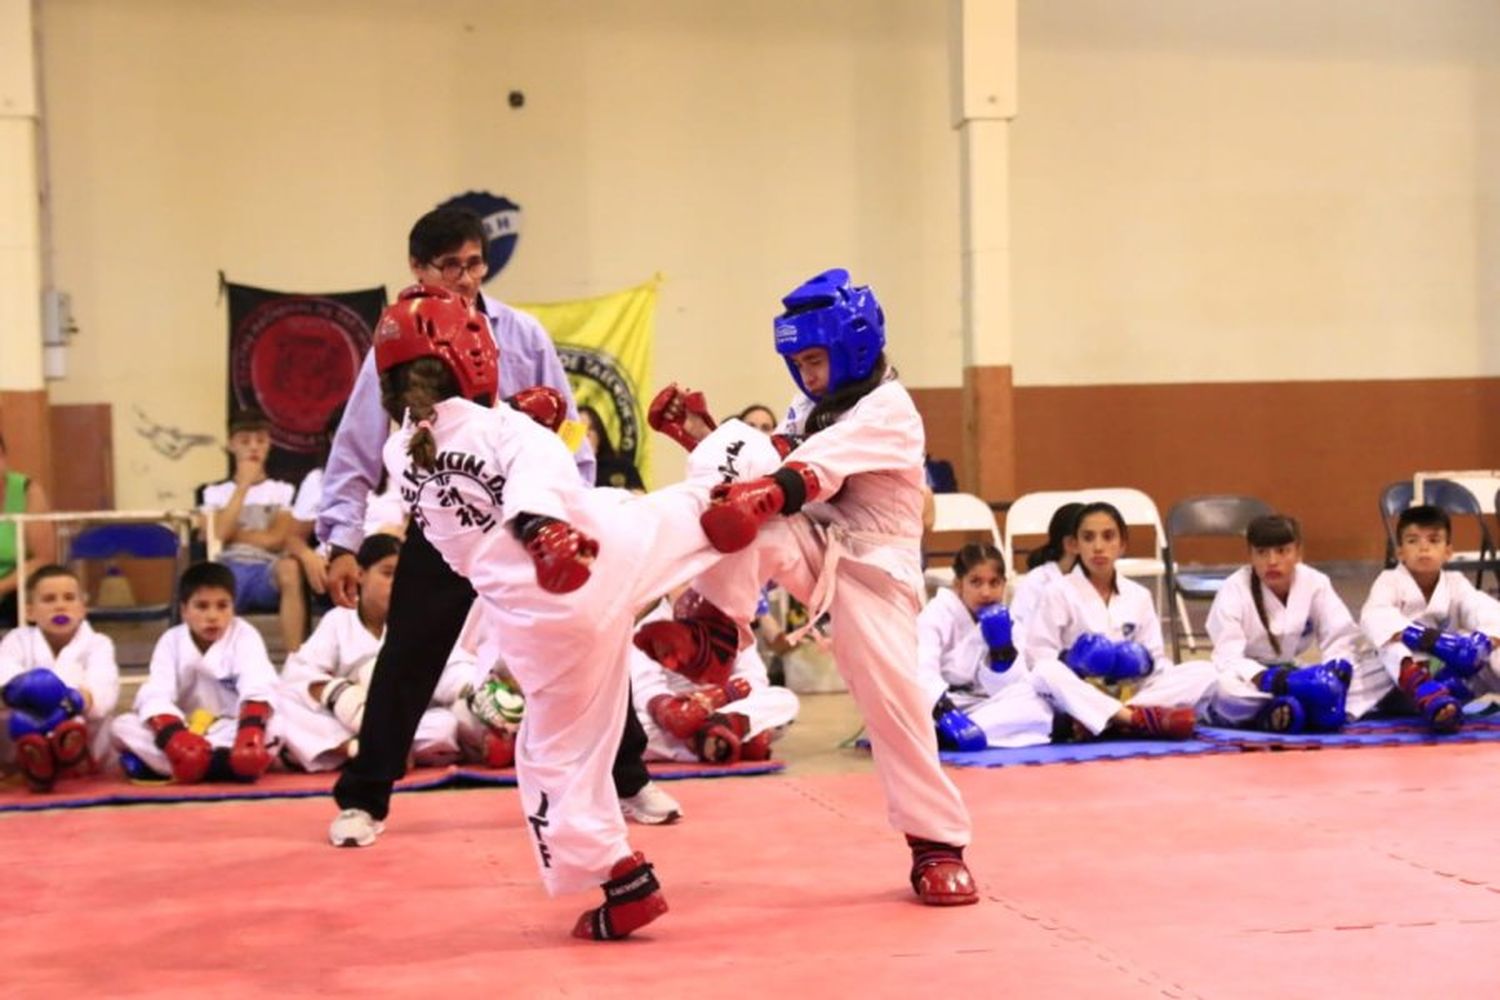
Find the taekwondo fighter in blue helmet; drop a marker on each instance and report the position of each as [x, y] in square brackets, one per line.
[839, 525]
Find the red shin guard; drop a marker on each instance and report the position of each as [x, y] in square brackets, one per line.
[1154, 722]
[70, 743]
[721, 740]
[632, 899]
[499, 748]
[938, 874]
[35, 758]
[1442, 711]
[758, 747]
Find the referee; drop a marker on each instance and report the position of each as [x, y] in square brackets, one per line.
[429, 602]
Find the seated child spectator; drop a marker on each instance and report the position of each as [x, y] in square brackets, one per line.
[20, 494]
[1048, 564]
[968, 664]
[60, 682]
[253, 519]
[713, 723]
[1434, 630]
[1096, 650]
[1264, 620]
[325, 683]
[205, 709]
[760, 417]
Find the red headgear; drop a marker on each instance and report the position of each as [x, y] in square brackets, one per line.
[430, 322]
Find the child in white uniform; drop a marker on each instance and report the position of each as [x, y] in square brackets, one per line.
[1134, 689]
[713, 723]
[1435, 631]
[1265, 618]
[990, 689]
[560, 570]
[851, 488]
[324, 684]
[213, 667]
[1048, 564]
[58, 658]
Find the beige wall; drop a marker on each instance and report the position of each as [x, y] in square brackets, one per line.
[735, 147]
[1276, 189]
[1236, 190]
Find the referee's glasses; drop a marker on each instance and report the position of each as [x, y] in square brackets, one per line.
[451, 268]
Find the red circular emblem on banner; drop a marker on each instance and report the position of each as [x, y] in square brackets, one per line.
[296, 359]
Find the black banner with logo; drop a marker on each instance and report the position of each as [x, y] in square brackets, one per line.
[295, 357]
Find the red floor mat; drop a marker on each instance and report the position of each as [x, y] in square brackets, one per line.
[1252, 875]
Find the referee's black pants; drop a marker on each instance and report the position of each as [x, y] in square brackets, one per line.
[429, 603]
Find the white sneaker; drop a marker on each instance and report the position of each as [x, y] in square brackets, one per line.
[651, 806]
[354, 828]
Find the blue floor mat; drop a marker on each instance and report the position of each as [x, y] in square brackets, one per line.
[1079, 753]
[1366, 733]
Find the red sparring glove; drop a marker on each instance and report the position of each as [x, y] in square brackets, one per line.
[543, 404]
[250, 758]
[561, 552]
[187, 752]
[738, 510]
[670, 409]
[682, 715]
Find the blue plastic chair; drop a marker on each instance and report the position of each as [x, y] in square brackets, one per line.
[105, 542]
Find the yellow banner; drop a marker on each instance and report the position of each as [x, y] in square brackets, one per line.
[605, 346]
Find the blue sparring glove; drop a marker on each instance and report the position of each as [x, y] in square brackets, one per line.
[1464, 653]
[997, 629]
[1321, 693]
[39, 691]
[1131, 660]
[1091, 655]
[955, 730]
[24, 723]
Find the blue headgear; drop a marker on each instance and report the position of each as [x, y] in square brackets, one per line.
[829, 312]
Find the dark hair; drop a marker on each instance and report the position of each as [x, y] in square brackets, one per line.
[975, 554]
[417, 386]
[1424, 515]
[1100, 507]
[1272, 530]
[442, 230]
[826, 412]
[1064, 525]
[375, 548]
[758, 406]
[247, 421]
[606, 449]
[204, 576]
[46, 572]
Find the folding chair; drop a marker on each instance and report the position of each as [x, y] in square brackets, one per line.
[1217, 516]
[1030, 514]
[107, 543]
[960, 512]
[1393, 500]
